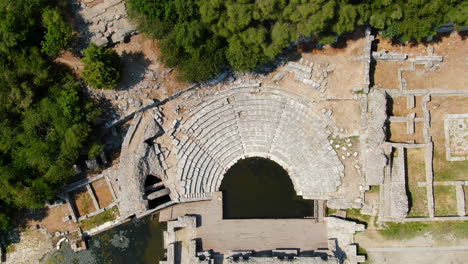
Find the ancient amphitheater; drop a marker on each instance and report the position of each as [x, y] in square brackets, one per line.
[263, 122]
[191, 155]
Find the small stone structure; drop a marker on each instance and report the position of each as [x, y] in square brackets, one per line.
[341, 239]
[384, 55]
[309, 73]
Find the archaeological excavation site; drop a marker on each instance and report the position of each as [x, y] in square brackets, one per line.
[340, 154]
[356, 151]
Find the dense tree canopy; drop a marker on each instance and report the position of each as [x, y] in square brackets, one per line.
[44, 121]
[202, 37]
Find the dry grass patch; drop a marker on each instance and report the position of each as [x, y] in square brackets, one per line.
[103, 193]
[53, 220]
[416, 173]
[83, 201]
[398, 132]
[386, 74]
[445, 200]
[399, 106]
[445, 170]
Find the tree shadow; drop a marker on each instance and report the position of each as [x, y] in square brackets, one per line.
[80, 25]
[307, 45]
[24, 216]
[6, 239]
[407, 188]
[342, 42]
[373, 63]
[437, 38]
[134, 66]
[463, 34]
[339, 253]
[20, 219]
[111, 138]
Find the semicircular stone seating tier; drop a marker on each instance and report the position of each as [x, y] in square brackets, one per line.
[263, 122]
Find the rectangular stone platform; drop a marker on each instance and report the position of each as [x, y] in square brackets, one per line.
[250, 234]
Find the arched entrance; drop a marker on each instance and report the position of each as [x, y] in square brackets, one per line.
[260, 188]
[155, 191]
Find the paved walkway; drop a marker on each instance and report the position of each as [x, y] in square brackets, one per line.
[249, 234]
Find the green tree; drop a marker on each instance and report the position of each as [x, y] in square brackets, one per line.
[254, 32]
[347, 16]
[101, 67]
[44, 121]
[59, 35]
[19, 25]
[242, 56]
[459, 14]
[95, 150]
[154, 18]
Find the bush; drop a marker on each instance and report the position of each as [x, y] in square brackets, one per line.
[101, 67]
[59, 35]
[95, 150]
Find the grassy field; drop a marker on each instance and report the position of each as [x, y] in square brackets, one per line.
[100, 219]
[445, 200]
[449, 170]
[413, 229]
[416, 173]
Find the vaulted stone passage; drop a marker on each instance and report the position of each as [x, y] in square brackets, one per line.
[260, 188]
[155, 191]
[263, 122]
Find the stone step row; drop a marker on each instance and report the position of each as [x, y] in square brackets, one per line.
[244, 123]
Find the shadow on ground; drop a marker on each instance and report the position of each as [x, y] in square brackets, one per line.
[134, 66]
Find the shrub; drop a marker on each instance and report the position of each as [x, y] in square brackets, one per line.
[95, 150]
[101, 67]
[59, 35]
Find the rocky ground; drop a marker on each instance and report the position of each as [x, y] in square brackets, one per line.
[32, 245]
